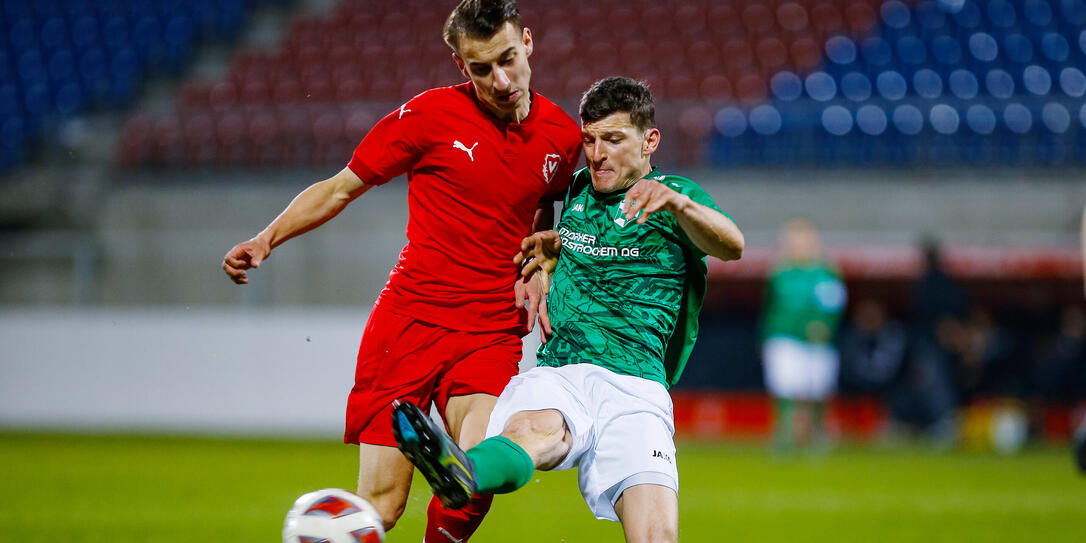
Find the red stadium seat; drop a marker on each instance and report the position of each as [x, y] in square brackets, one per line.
[265, 140]
[806, 54]
[359, 122]
[689, 18]
[860, 18]
[194, 95]
[771, 53]
[737, 54]
[723, 21]
[199, 138]
[328, 146]
[826, 18]
[134, 146]
[287, 91]
[350, 90]
[255, 93]
[792, 17]
[750, 88]
[169, 148]
[230, 135]
[715, 87]
[223, 95]
[758, 19]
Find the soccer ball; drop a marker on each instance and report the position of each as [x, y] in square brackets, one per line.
[332, 515]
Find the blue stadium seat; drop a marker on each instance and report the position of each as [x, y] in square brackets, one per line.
[946, 50]
[1038, 12]
[820, 86]
[871, 120]
[983, 47]
[856, 86]
[1018, 48]
[786, 86]
[927, 83]
[1037, 80]
[999, 84]
[1073, 82]
[891, 85]
[963, 84]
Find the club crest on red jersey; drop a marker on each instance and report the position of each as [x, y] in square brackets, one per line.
[550, 165]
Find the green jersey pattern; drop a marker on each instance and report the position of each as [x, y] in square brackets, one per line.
[804, 301]
[625, 296]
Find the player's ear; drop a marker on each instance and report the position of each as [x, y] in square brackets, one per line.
[460, 65]
[651, 142]
[529, 44]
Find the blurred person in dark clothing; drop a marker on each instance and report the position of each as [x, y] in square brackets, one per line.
[989, 361]
[937, 296]
[1059, 371]
[873, 350]
[925, 399]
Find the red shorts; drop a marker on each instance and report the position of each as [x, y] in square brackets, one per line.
[402, 358]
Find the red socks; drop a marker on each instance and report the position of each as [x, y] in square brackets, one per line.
[455, 525]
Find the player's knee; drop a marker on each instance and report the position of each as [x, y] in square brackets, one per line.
[656, 533]
[389, 503]
[542, 427]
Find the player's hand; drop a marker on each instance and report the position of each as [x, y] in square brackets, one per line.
[244, 256]
[539, 251]
[648, 196]
[531, 293]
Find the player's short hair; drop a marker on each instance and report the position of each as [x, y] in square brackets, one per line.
[479, 20]
[614, 94]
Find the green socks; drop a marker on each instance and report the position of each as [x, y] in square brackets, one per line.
[501, 466]
[784, 439]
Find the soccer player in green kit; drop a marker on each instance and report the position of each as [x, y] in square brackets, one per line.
[624, 302]
[804, 301]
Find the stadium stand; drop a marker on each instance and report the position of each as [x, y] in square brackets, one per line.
[65, 57]
[851, 82]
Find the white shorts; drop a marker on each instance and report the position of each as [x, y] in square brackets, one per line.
[798, 370]
[622, 426]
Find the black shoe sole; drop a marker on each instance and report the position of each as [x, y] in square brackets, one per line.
[424, 449]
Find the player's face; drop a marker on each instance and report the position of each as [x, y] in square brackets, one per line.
[800, 240]
[498, 67]
[617, 151]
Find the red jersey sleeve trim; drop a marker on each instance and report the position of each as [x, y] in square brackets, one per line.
[364, 172]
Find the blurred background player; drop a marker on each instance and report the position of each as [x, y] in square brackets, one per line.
[484, 160]
[626, 296]
[805, 298]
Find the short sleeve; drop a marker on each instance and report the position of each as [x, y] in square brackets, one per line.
[698, 195]
[391, 148]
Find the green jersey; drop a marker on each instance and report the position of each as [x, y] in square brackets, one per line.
[804, 301]
[625, 296]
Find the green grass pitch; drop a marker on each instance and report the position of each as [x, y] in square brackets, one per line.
[88, 488]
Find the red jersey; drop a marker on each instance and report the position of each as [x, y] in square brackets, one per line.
[474, 183]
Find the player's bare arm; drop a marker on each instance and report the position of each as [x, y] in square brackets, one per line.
[313, 207]
[712, 231]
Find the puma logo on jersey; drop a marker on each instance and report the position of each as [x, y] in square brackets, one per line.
[464, 148]
[403, 109]
[550, 165]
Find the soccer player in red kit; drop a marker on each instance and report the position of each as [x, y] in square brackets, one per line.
[485, 160]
